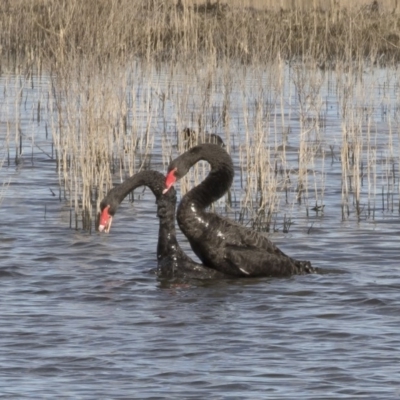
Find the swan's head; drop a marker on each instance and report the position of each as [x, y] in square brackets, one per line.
[181, 165]
[170, 179]
[106, 217]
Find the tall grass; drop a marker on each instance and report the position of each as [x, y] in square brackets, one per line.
[159, 31]
[128, 76]
[97, 133]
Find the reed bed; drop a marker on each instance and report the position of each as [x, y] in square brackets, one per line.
[296, 95]
[168, 31]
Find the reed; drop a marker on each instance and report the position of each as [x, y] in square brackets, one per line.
[127, 77]
[94, 137]
[5, 182]
[161, 30]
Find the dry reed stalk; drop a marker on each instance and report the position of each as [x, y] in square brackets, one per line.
[351, 156]
[14, 107]
[397, 125]
[5, 182]
[308, 82]
[371, 169]
[391, 157]
[259, 181]
[358, 104]
[10, 102]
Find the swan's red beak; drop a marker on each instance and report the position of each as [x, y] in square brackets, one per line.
[170, 180]
[105, 220]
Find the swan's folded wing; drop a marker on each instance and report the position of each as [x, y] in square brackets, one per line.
[256, 262]
[241, 236]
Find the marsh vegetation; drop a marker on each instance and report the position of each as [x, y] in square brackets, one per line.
[305, 101]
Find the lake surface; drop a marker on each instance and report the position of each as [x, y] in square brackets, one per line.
[82, 316]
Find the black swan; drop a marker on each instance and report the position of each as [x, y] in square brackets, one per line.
[219, 242]
[172, 261]
[192, 138]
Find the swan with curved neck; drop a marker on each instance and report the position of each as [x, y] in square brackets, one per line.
[172, 260]
[219, 242]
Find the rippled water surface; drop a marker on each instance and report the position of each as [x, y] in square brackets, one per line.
[82, 316]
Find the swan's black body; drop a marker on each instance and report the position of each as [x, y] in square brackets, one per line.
[192, 138]
[219, 242]
[172, 261]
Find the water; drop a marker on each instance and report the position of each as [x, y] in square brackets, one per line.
[82, 316]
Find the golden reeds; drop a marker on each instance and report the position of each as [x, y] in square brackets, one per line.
[128, 76]
[160, 30]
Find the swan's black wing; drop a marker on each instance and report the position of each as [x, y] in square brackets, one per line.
[256, 262]
[236, 250]
[239, 235]
[255, 255]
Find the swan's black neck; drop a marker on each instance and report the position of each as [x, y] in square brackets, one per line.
[167, 245]
[152, 179]
[155, 181]
[218, 180]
